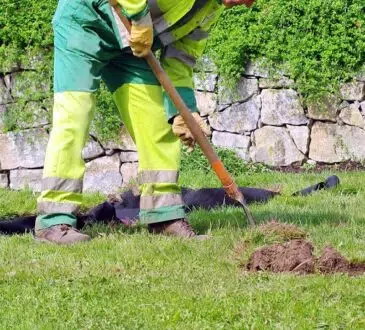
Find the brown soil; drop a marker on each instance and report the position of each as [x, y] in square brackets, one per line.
[331, 261]
[296, 256]
[293, 256]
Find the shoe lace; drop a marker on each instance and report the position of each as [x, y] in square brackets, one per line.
[67, 228]
[64, 227]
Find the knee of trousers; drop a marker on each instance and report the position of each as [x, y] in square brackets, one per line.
[142, 111]
[72, 114]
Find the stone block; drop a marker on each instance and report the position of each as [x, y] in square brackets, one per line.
[324, 109]
[239, 143]
[2, 117]
[205, 81]
[273, 146]
[361, 75]
[282, 82]
[300, 136]
[124, 142]
[256, 69]
[29, 85]
[332, 143]
[37, 115]
[351, 115]
[102, 175]
[5, 96]
[4, 180]
[205, 64]
[238, 118]
[353, 91]
[23, 149]
[129, 172]
[92, 150]
[128, 156]
[245, 89]
[362, 107]
[26, 179]
[34, 62]
[206, 102]
[282, 106]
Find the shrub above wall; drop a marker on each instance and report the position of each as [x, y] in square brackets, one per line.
[318, 43]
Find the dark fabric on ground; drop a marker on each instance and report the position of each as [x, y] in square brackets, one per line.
[331, 182]
[127, 210]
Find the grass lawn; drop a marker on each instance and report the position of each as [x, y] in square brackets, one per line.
[130, 279]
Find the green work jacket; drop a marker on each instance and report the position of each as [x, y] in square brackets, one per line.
[181, 29]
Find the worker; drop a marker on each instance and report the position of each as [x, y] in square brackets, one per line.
[89, 46]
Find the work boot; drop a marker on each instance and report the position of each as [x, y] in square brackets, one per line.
[60, 234]
[179, 228]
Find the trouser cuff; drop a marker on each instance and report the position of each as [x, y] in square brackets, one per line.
[162, 214]
[53, 219]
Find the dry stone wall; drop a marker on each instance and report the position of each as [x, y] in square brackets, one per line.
[264, 120]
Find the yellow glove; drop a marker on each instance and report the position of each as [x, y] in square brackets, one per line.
[141, 37]
[180, 129]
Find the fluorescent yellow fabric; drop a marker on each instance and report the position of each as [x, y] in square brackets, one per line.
[143, 114]
[87, 50]
[142, 111]
[132, 7]
[72, 114]
[179, 72]
[178, 57]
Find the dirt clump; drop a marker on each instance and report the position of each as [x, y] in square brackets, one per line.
[293, 256]
[331, 261]
[296, 256]
[282, 230]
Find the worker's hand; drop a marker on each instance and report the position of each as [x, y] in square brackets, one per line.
[141, 37]
[180, 129]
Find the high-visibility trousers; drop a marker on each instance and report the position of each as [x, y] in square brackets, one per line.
[88, 49]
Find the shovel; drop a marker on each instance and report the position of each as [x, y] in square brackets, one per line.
[229, 185]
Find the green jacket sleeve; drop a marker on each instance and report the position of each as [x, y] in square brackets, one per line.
[178, 60]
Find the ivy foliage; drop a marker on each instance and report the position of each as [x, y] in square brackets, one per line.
[319, 43]
[26, 41]
[192, 161]
[25, 30]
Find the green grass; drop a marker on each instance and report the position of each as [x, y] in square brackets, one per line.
[130, 279]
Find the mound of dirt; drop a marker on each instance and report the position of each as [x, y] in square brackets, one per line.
[331, 261]
[296, 256]
[293, 256]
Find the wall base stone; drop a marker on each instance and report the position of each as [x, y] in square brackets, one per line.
[129, 173]
[26, 179]
[333, 143]
[273, 146]
[102, 175]
[4, 180]
[23, 149]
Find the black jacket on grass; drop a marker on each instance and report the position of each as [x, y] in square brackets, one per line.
[126, 210]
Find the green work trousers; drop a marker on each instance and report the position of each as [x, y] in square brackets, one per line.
[88, 49]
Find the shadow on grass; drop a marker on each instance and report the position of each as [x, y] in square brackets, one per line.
[203, 220]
